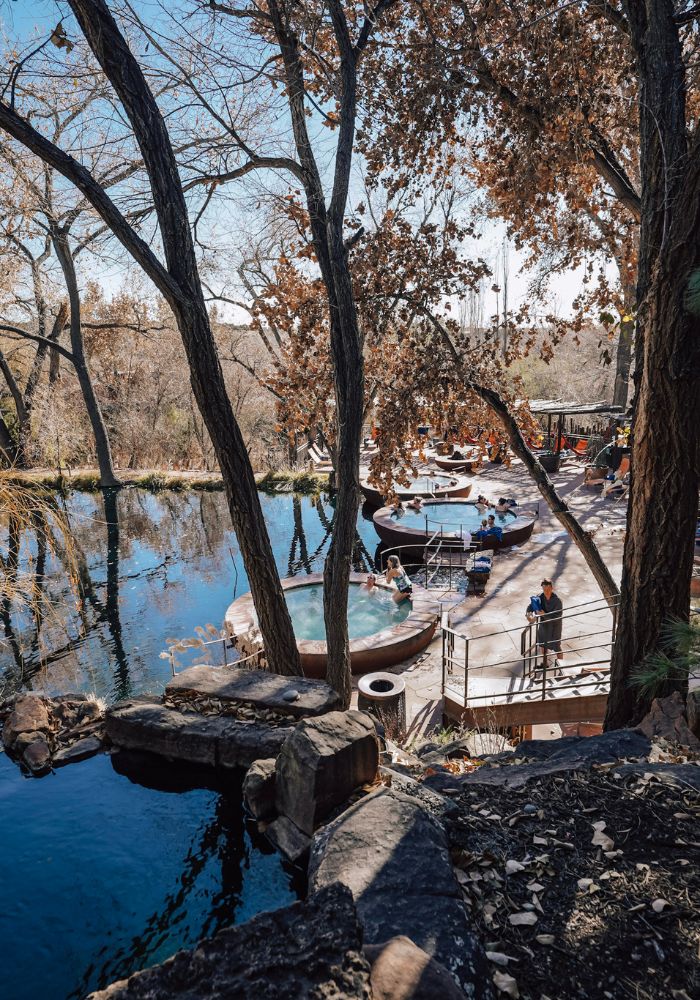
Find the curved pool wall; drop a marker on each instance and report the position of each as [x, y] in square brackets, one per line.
[422, 486]
[455, 465]
[452, 516]
[383, 648]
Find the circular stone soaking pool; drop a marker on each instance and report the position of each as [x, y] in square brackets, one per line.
[382, 631]
[426, 485]
[450, 519]
[369, 611]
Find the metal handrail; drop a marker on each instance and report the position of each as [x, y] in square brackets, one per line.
[451, 662]
[518, 628]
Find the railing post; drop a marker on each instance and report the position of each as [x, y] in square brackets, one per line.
[545, 667]
[225, 657]
[444, 645]
[466, 672]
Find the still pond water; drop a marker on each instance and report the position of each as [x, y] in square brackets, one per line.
[112, 864]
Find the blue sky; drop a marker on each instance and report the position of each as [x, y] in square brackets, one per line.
[25, 20]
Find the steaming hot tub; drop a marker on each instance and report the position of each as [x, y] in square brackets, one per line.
[382, 632]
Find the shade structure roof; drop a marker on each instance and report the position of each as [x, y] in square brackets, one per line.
[557, 406]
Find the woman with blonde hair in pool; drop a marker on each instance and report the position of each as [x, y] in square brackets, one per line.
[396, 572]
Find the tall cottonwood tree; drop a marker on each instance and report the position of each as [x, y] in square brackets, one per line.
[314, 54]
[535, 102]
[630, 57]
[179, 282]
[663, 506]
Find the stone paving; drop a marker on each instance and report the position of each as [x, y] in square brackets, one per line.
[498, 616]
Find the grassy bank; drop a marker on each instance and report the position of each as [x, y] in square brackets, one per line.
[155, 480]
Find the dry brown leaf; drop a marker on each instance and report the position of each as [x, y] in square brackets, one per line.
[525, 919]
[601, 839]
[535, 886]
[513, 866]
[506, 984]
[498, 958]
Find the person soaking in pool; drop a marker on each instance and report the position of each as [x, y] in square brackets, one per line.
[546, 610]
[396, 572]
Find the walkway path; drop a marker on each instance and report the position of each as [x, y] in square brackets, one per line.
[516, 575]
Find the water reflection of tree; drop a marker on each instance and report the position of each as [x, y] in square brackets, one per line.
[158, 543]
[221, 840]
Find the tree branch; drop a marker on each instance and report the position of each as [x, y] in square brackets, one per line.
[26, 335]
[20, 129]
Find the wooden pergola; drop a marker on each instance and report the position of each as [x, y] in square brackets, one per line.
[559, 409]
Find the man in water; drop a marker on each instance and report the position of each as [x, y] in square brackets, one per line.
[493, 528]
[546, 610]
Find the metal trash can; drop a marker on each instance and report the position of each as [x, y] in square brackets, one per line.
[384, 696]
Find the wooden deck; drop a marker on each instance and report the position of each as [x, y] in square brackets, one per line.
[521, 701]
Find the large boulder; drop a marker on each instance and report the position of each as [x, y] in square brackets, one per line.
[304, 951]
[535, 759]
[298, 697]
[403, 971]
[322, 763]
[37, 757]
[30, 714]
[666, 718]
[215, 740]
[259, 789]
[394, 858]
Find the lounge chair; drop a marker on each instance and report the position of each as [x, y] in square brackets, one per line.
[321, 462]
[618, 482]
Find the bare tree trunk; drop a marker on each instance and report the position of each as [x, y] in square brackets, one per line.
[29, 395]
[625, 344]
[186, 298]
[102, 447]
[582, 539]
[327, 224]
[346, 347]
[663, 503]
[8, 448]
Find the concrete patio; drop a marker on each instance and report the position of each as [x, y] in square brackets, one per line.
[493, 621]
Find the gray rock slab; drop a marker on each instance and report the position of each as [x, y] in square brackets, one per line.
[615, 745]
[434, 803]
[667, 719]
[394, 858]
[80, 750]
[307, 951]
[214, 740]
[322, 763]
[288, 839]
[692, 706]
[257, 688]
[679, 775]
[259, 788]
[535, 759]
[29, 714]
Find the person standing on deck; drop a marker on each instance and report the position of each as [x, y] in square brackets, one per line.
[547, 611]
